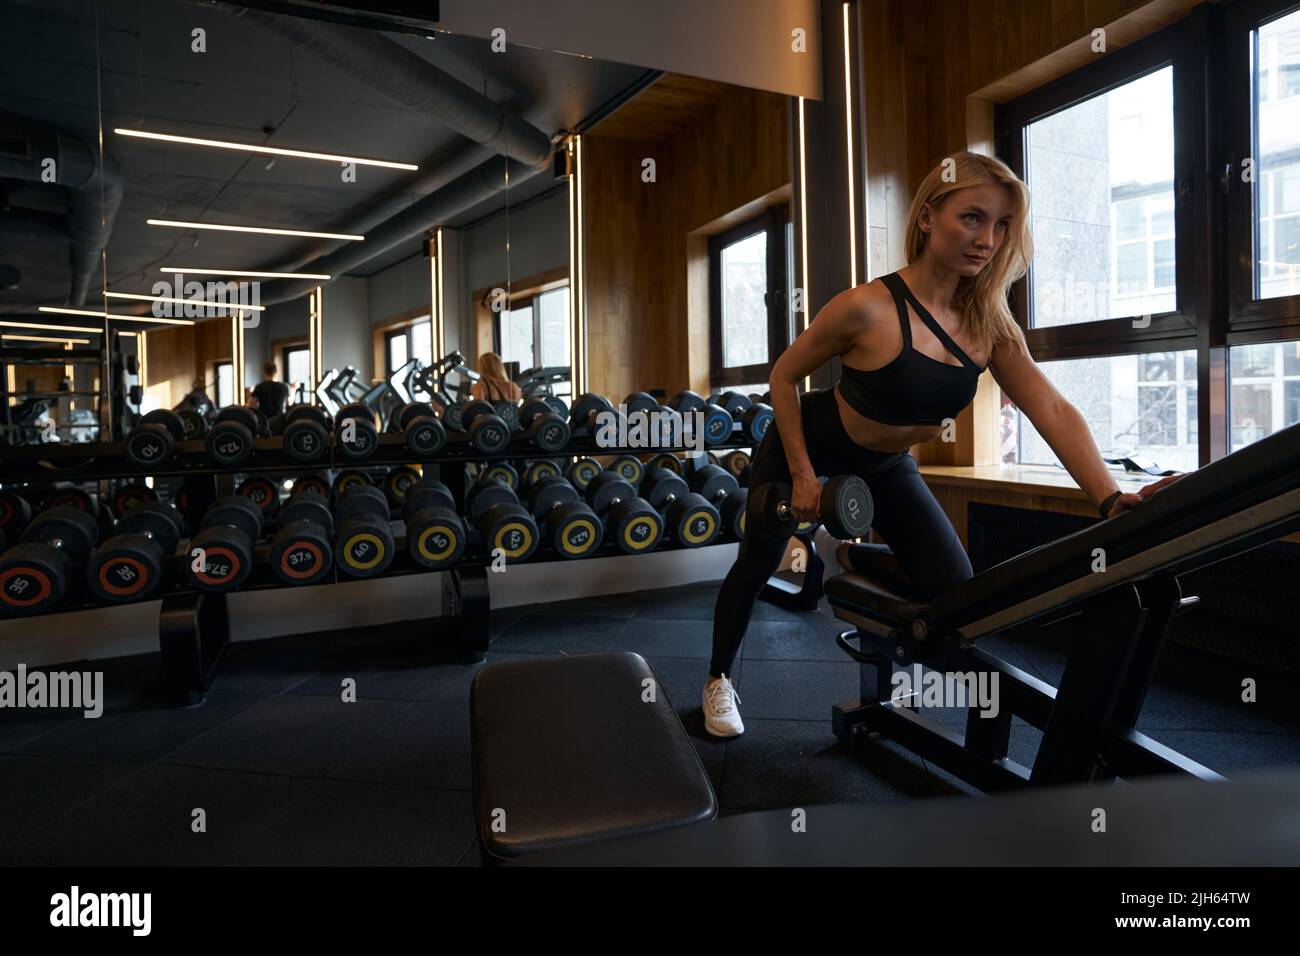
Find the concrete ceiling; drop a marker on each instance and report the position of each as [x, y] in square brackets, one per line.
[250, 86]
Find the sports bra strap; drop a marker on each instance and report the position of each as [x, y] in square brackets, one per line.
[899, 287]
[898, 290]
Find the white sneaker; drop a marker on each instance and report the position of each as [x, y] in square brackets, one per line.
[721, 716]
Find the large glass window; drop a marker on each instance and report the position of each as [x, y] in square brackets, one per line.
[516, 327]
[749, 320]
[296, 363]
[1277, 150]
[1264, 395]
[1134, 404]
[744, 313]
[553, 328]
[1102, 177]
[225, 383]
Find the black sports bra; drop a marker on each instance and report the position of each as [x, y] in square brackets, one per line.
[913, 389]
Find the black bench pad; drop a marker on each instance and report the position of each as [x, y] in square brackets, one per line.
[571, 752]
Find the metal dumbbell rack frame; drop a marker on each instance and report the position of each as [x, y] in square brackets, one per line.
[194, 627]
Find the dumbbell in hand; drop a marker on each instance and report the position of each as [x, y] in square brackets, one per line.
[634, 525]
[435, 535]
[570, 526]
[221, 554]
[300, 551]
[845, 508]
[34, 574]
[504, 524]
[363, 546]
[230, 440]
[130, 565]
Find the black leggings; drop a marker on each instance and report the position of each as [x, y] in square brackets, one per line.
[906, 515]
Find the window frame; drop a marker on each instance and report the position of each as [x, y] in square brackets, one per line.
[1188, 47]
[284, 348]
[527, 300]
[774, 221]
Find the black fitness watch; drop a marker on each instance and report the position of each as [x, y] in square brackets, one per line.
[1105, 506]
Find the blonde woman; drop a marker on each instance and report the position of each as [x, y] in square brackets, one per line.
[913, 345]
[494, 384]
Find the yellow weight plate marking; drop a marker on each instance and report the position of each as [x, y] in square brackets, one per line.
[578, 549]
[710, 524]
[524, 531]
[421, 543]
[641, 521]
[364, 565]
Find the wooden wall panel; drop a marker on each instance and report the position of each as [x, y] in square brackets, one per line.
[643, 324]
[180, 355]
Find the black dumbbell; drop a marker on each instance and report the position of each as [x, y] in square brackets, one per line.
[754, 421]
[567, 523]
[640, 402]
[501, 471]
[691, 518]
[347, 479]
[311, 482]
[845, 508]
[130, 496]
[505, 525]
[301, 552]
[421, 429]
[221, 554]
[355, 435]
[508, 412]
[194, 425]
[712, 483]
[306, 431]
[547, 430]
[734, 402]
[130, 565]
[582, 471]
[667, 461]
[15, 514]
[718, 422]
[435, 535]
[630, 521]
[558, 405]
[737, 464]
[230, 440]
[263, 492]
[733, 514]
[152, 441]
[535, 470]
[585, 411]
[398, 483]
[629, 469]
[487, 432]
[70, 496]
[453, 416]
[34, 574]
[363, 545]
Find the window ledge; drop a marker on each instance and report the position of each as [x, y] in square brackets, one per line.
[1024, 479]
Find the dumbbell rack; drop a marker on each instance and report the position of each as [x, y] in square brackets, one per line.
[194, 626]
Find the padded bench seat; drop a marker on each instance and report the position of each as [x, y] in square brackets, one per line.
[568, 750]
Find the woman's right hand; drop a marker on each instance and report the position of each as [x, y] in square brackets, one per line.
[806, 498]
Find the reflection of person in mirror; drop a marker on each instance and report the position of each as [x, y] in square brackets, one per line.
[269, 395]
[494, 384]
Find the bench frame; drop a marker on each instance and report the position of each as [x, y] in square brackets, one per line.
[1115, 636]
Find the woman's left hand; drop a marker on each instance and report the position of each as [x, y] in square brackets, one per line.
[1130, 500]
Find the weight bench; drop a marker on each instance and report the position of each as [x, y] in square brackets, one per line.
[570, 750]
[1110, 589]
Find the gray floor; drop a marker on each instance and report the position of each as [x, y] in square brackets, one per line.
[285, 773]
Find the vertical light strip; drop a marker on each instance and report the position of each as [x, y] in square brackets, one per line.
[235, 394]
[319, 357]
[442, 313]
[142, 357]
[848, 138]
[580, 293]
[573, 277]
[311, 347]
[803, 226]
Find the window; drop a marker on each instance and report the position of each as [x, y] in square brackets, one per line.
[534, 333]
[1123, 307]
[410, 341]
[295, 367]
[224, 376]
[1277, 149]
[1103, 211]
[749, 321]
